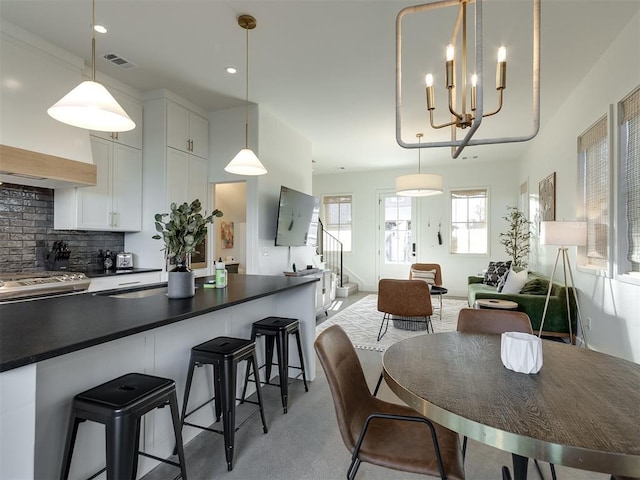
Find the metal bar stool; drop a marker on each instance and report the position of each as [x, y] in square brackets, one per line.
[120, 404]
[224, 353]
[278, 329]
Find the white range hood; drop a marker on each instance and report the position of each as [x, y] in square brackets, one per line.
[34, 148]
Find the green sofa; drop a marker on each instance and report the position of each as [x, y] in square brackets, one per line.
[555, 323]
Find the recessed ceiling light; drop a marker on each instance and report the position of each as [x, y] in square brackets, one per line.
[100, 28]
[231, 70]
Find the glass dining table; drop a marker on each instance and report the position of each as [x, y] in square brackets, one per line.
[581, 410]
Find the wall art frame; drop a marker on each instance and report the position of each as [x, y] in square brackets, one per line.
[547, 198]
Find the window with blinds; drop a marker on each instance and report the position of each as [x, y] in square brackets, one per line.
[337, 218]
[595, 177]
[629, 168]
[469, 232]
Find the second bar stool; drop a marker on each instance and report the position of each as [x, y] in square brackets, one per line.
[224, 353]
[278, 329]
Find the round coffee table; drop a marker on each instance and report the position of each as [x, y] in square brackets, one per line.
[496, 303]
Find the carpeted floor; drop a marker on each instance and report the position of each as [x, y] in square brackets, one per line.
[362, 321]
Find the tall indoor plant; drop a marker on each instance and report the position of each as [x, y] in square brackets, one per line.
[516, 239]
[182, 230]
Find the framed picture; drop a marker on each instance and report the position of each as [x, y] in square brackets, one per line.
[226, 234]
[547, 192]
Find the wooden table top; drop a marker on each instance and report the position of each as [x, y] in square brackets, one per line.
[581, 410]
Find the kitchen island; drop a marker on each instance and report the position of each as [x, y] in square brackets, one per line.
[53, 348]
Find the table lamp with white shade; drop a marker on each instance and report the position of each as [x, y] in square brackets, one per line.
[565, 235]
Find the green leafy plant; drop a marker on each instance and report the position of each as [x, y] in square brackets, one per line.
[516, 239]
[183, 229]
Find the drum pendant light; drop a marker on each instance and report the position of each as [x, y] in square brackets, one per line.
[90, 105]
[418, 184]
[246, 162]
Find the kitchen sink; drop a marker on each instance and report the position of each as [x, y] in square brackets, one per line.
[137, 293]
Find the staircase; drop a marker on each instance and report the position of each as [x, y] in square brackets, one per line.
[330, 248]
[347, 288]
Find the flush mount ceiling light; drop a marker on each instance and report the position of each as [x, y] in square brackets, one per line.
[418, 184]
[246, 162]
[90, 105]
[469, 111]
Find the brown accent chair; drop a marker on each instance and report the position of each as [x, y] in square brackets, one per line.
[473, 320]
[378, 432]
[425, 267]
[404, 298]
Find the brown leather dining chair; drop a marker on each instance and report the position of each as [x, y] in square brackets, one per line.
[478, 320]
[409, 299]
[379, 432]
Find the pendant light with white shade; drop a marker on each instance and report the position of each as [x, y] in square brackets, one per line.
[90, 105]
[246, 162]
[418, 184]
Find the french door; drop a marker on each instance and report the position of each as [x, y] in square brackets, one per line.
[397, 235]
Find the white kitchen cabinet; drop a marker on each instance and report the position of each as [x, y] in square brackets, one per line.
[325, 291]
[124, 280]
[132, 138]
[186, 177]
[115, 203]
[187, 131]
[172, 172]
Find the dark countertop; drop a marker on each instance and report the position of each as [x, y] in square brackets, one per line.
[111, 273]
[36, 330]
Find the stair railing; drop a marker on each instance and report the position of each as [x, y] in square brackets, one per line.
[330, 249]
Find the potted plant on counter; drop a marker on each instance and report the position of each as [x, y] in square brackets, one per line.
[182, 230]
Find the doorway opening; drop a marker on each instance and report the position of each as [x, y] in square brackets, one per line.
[230, 230]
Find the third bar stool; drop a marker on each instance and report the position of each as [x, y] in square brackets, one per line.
[224, 353]
[278, 329]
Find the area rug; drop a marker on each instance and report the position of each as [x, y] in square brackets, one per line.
[361, 322]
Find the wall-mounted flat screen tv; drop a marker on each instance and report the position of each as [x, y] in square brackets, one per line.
[297, 218]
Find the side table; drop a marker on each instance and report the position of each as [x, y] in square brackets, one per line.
[496, 303]
[439, 291]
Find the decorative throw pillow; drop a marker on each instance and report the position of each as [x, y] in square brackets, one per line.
[536, 286]
[514, 282]
[428, 276]
[495, 271]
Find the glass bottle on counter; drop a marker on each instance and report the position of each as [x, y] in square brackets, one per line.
[221, 274]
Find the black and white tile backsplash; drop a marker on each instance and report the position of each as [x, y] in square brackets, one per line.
[27, 234]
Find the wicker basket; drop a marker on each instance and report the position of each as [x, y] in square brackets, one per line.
[413, 324]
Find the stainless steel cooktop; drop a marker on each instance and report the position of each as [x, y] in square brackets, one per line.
[38, 284]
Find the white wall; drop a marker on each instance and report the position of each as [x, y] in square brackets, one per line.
[286, 155]
[611, 304]
[361, 264]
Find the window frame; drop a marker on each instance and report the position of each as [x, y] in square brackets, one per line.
[623, 269]
[326, 224]
[582, 262]
[487, 221]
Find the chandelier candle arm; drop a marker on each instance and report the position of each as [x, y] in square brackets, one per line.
[473, 119]
[465, 119]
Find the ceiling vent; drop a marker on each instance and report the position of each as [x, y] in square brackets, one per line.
[119, 61]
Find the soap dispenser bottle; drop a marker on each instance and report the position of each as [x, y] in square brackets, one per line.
[221, 274]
